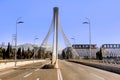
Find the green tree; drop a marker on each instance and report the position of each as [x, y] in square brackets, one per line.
[23, 56]
[63, 54]
[1, 53]
[42, 53]
[8, 51]
[48, 54]
[39, 53]
[29, 53]
[19, 53]
[68, 53]
[4, 53]
[13, 53]
[99, 55]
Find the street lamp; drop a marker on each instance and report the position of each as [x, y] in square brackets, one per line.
[13, 39]
[74, 40]
[34, 48]
[88, 22]
[17, 22]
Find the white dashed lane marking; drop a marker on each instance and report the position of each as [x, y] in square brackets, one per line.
[59, 74]
[27, 75]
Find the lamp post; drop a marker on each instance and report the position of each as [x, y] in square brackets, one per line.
[13, 39]
[17, 22]
[34, 49]
[88, 22]
[74, 40]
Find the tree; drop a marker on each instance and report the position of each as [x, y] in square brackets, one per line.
[4, 53]
[8, 51]
[22, 53]
[29, 53]
[68, 53]
[1, 54]
[99, 54]
[42, 53]
[39, 53]
[63, 54]
[25, 55]
[48, 54]
[19, 53]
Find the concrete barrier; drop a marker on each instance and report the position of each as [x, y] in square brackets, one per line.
[100, 66]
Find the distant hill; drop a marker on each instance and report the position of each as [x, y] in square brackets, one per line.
[30, 46]
[26, 46]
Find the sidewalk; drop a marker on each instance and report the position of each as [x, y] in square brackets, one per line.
[20, 63]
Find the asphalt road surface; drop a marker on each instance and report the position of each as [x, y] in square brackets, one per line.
[66, 71]
[74, 71]
[29, 72]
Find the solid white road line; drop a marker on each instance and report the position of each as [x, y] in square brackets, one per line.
[27, 75]
[38, 79]
[59, 74]
[99, 77]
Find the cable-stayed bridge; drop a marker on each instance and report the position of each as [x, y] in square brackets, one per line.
[55, 27]
[65, 70]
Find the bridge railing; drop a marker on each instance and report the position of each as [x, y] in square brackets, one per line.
[106, 62]
[110, 61]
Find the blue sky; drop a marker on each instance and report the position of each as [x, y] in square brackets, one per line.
[104, 17]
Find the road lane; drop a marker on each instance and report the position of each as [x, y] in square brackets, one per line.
[66, 71]
[43, 74]
[19, 73]
[6, 72]
[74, 71]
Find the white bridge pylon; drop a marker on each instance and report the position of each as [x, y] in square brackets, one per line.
[54, 28]
[55, 41]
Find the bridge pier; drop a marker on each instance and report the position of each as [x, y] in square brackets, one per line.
[55, 39]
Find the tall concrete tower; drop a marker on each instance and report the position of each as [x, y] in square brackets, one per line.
[55, 38]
